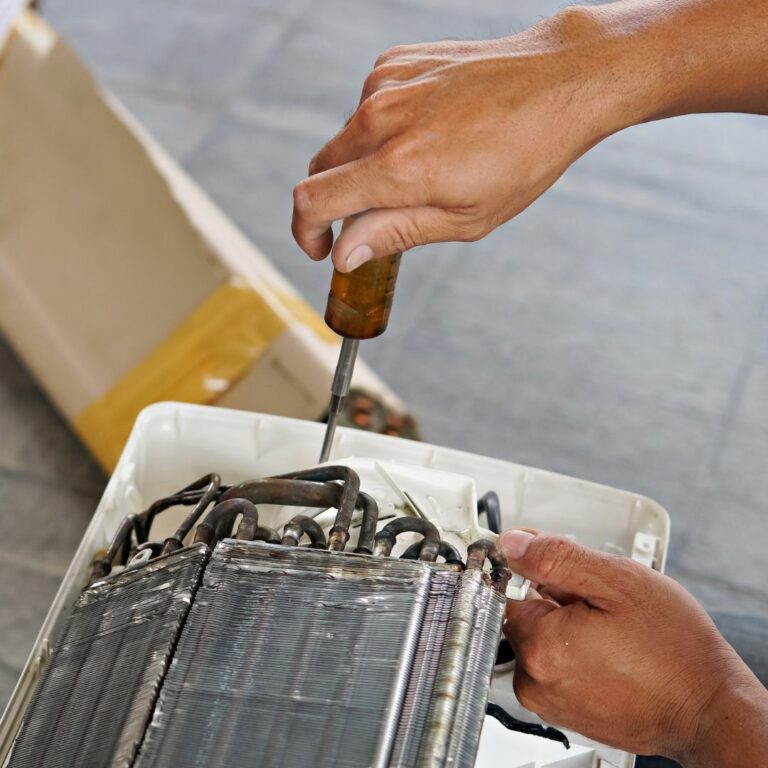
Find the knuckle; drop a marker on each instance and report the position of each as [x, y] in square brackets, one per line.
[405, 234]
[297, 232]
[472, 237]
[389, 54]
[525, 692]
[469, 230]
[513, 632]
[378, 101]
[372, 105]
[302, 196]
[553, 555]
[537, 662]
[389, 72]
[375, 80]
[366, 114]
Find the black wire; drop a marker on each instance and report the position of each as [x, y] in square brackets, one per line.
[489, 504]
[533, 729]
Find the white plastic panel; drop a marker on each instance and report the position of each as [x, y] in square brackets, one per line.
[523, 751]
[172, 444]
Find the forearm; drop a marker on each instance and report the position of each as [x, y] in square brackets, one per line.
[452, 139]
[680, 57]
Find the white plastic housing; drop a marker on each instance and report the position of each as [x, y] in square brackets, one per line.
[173, 444]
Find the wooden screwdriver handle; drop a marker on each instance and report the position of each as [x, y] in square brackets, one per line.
[360, 301]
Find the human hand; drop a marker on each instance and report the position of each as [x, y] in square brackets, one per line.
[616, 651]
[452, 139]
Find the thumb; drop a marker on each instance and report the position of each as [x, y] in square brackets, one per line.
[380, 232]
[556, 561]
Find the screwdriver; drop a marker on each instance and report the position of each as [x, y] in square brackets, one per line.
[359, 304]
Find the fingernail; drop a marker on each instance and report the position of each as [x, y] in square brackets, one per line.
[357, 256]
[515, 543]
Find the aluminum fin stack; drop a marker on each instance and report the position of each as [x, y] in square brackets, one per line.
[263, 650]
[95, 700]
[311, 657]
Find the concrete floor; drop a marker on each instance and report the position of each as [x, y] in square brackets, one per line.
[616, 331]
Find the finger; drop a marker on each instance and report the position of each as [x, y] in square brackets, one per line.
[522, 617]
[371, 182]
[536, 593]
[349, 144]
[382, 114]
[527, 691]
[369, 128]
[381, 232]
[559, 563]
[561, 597]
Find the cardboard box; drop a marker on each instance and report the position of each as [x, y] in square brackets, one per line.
[121, 283]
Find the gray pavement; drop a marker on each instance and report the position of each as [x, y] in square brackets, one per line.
[616, 331]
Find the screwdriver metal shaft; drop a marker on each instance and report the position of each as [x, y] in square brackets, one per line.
[359, 303]
[339, 391]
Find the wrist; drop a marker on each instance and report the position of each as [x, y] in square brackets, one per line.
[612, 66]
[732, 728]
[630, 58]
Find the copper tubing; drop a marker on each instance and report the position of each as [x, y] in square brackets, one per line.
[224, 528]
[339, 533]
[219, 521]
[183, 498]
[103, 566]
[447, 551]
[187, 496]
[386, 537]
[210, 485]
[262, 533]
[483, 549]
[291, 493]
[250, 530]
[368, 526]
[297, 526]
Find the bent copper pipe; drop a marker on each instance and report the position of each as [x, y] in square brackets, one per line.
[250, 530]
[385, 539]
[480, 551]
[210, 485]
[219, 521]
[447, 551]
[183, 498]
[262, 533]
[103, 566]
[291, 493]
[339, 533]
[297, 526]
[368, 526]
[187, 496]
